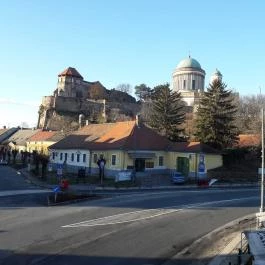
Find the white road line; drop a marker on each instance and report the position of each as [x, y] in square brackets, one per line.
[146, 214]
[20, 192]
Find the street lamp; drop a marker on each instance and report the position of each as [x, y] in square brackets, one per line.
[262, 161]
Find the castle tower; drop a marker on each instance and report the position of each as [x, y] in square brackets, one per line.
[188, 79]
[216, 76]
[69, 83]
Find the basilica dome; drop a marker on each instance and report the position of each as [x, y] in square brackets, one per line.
[189, 63]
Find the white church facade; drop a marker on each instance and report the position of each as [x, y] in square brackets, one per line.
[189, 79]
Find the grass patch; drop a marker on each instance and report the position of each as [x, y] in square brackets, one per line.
[62, 197]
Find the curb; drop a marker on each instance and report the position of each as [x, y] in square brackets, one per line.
[71, 201]
[217, 260]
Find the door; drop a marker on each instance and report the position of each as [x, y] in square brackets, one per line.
[183, 165]
[139, 164]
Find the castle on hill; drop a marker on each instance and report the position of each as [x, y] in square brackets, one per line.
[75, 97]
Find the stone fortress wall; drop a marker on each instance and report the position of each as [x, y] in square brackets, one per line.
[94, 101]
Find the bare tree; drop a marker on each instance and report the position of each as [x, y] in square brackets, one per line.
[249, 113]
[124, 87]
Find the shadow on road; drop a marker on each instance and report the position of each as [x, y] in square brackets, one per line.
[66, 259]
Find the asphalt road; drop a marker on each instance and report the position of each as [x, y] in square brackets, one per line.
[146, 228]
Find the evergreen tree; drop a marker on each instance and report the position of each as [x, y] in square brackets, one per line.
[167, 112]
[142, 92]
[216, 117]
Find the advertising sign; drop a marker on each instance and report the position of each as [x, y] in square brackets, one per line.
[201, 167]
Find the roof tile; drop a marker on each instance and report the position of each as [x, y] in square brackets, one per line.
[70, 71]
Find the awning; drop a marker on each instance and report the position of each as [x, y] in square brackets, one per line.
[137, 154]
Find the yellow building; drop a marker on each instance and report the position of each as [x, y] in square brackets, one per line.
[41, 140]
[131, 146]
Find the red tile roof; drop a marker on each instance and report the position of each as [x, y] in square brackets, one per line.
[21, 136]
[70, 71]
[249, 140]
[42, 136]
[125, 136]
[192, 147]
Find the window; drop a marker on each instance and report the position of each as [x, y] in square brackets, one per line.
[161, 161]
[65, 156]
[149, 164]
[73, 157]
[184, 84]
[193, 84]
[61, 156]
[95, 158]
[53, 155]
[84, 158]
[77, 157]
[113, 160]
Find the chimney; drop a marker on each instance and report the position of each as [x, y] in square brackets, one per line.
[81, 120]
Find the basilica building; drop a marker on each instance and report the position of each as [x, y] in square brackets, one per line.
[189, 79]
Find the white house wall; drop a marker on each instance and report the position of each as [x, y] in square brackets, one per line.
[69, 161]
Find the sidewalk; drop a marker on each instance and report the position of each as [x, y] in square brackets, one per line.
[85, 187]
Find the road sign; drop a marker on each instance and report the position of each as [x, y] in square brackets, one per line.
[56, 189]
[59, 169]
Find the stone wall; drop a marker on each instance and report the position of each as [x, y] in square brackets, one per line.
[77, 105]
[48, 101]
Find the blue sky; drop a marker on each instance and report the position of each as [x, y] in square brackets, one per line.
[115, 42]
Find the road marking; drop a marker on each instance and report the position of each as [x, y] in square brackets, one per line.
[146, 214]
[21, 192]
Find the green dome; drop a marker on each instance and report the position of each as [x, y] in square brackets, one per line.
[189, 63]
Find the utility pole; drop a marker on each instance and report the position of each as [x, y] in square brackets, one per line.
[262, 162]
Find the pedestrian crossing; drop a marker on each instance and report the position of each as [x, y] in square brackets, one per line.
[125, 217]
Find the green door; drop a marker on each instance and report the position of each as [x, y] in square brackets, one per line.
[183, 165]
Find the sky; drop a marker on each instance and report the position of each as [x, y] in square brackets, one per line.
[115, 41]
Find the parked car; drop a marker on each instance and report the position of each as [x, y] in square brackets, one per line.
[3, 163]
[178, 178]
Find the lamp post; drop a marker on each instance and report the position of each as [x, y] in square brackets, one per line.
[262, 162]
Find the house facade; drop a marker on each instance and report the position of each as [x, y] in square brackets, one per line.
[19, 139]
[130, 146]
[41, 140]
